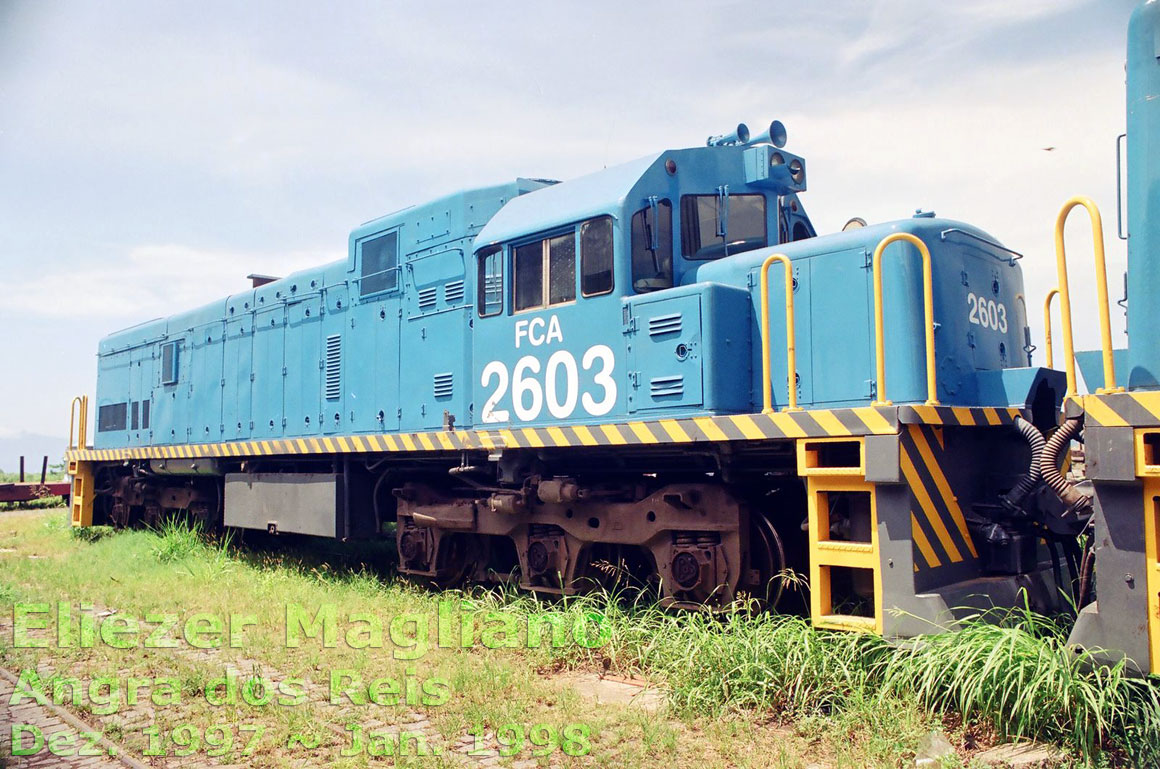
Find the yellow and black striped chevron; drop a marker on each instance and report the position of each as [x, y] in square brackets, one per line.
[1139, 409]
[783, 425]
[963, 416]
[938, 526]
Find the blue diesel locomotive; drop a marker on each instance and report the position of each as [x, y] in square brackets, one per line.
[535, 378]
[660, 369]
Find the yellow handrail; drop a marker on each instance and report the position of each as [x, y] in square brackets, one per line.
[928, 317]
[1101, 295]
[1047, 326]
[790, 336]
[81, 429]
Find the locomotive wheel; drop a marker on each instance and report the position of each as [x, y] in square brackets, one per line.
[767, 557]
[616, 570]
[458, 557]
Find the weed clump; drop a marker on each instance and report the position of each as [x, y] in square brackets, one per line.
[1015, 672]
[180, 540]
[91, 533]
[1012, 672]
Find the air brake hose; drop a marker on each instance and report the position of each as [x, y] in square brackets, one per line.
[1029, 480]
[1049, 466]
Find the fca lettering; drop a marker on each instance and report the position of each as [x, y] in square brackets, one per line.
[533, 331]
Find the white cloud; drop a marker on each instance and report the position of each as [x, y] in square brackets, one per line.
[920, 27]
[150, 281]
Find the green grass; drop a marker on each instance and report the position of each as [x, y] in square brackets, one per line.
[736, 682]
[1016, 673]
[1012, 673]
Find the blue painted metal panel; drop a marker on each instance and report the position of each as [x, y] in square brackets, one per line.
[725, 348]
[132, 348]
[203, 357]
[665, 352]
[236, 370]
[304, 365]
[1143, 201]
[373, 365]
[433, 349]
[237, 367]
[841, 337]
[435, 346]
[1018, 386]
[113, 371]
[140, 392]
[269, 370]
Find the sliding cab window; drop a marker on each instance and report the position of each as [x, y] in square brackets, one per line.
[596, 256]
[544, 272]
[713, 226]
[490, 282]
[380, 262]
[652, 247]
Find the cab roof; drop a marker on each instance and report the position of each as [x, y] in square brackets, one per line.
[592, 195]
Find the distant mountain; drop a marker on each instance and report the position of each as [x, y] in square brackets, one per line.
[33, 448]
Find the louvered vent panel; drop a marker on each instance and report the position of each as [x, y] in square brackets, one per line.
[444, 385]
[428, 297]
[665, 324]
[333, 367]
[663, 386]
[453, 292]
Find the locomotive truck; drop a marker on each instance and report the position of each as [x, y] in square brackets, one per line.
[662, 370]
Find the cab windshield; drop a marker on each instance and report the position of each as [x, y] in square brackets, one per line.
[713, 226]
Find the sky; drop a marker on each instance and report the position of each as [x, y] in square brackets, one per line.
[154, 153]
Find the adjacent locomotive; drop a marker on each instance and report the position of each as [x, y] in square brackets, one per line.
[659, 368]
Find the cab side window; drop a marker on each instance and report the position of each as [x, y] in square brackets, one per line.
[544, 272]
[560, 256]
[596, 256]
[652, 247]
[490, 281]
[528, 264]
[380, 260]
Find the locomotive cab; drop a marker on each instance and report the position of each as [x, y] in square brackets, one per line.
[560, 273]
